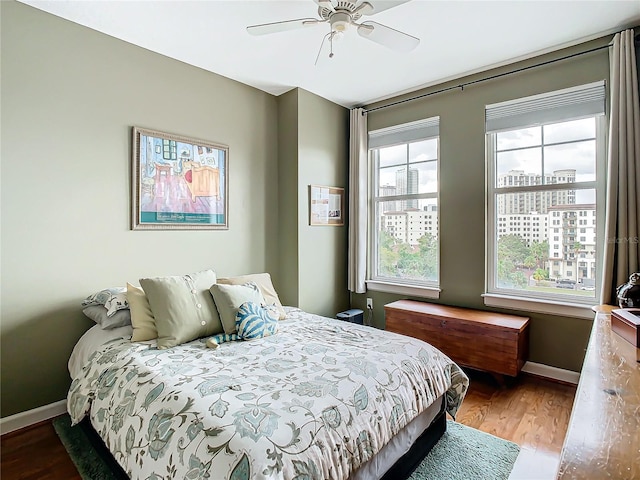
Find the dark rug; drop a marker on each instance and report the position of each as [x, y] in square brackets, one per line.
[462, 453]
[86, 449]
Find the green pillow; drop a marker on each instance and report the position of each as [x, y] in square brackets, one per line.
[182, 307]
[229, 298]
[142, 321]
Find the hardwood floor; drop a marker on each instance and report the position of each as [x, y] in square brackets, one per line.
[35, 453]
[532, 412]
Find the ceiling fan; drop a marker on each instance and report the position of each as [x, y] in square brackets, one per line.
[342, 15]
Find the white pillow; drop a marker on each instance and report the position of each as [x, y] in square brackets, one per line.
[98, 314]
[113, 299]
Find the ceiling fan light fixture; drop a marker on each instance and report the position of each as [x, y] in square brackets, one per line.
[340, 22]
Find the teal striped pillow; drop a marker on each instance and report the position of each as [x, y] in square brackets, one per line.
[252, 321]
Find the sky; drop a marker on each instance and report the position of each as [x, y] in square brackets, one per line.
[422, 155]
[517, 150]
[579, 156]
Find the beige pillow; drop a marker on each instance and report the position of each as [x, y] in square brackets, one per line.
[229, 298]
[142, 321]
[182, 307]
[263, 280]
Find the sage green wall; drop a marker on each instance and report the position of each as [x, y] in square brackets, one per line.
[313, 137]
[555, 341]
[69, 98]
[287, 196]
[323, 141]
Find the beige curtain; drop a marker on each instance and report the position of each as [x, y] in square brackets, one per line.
[622, 220]
[357, 201]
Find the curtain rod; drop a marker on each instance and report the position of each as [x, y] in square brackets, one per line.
[492, 77]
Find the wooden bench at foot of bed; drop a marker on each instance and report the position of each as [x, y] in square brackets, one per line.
[487, 341]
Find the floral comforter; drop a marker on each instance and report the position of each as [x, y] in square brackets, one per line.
[314, 401]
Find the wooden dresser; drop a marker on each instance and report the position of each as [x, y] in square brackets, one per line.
[493, 342]
[603, 438]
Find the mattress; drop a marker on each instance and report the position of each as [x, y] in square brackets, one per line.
[91, 342]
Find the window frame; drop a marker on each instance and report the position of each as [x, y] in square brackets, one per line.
[376, 282]
[557, 304]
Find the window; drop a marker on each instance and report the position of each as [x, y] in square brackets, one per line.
[404, 161]
[169, 149]
[554, 145]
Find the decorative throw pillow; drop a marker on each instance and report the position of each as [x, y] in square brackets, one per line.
[252, 321]
[263, 280]
[98, 314]
[228, 299]
[142, 321]
[113, 299]
[182, 307]
[255, 321]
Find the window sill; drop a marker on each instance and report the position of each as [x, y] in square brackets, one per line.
[402, 289]
[540, 306]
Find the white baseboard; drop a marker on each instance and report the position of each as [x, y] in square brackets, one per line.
[553, 373]
[31, 417]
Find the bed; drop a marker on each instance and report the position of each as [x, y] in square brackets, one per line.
[321, 399]
[202, 180]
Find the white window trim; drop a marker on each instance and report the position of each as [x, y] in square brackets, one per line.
[403, 289]
[378, 283]
[571, 307]
[562, 309]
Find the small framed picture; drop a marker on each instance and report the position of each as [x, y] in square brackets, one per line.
[326, 205]
[178, 183]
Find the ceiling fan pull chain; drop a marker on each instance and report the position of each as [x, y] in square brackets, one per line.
[331, 44]
[321, 45]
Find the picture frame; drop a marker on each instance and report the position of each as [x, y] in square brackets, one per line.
[326, 205]
[178, 182]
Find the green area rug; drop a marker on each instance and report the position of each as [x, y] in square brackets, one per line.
[462, 453]
[84, 446]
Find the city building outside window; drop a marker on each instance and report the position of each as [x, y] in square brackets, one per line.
[404, 247]
[544, 155]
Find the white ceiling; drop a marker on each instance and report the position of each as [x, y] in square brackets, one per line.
[457, 38]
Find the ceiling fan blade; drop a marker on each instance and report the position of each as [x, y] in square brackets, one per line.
[382, 5]
[365, 8]
[387, 36]
[275, 27]
[325, 4]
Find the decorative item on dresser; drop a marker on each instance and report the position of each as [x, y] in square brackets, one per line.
[488, 341]
[628, 294]
[603, 438]
[626, 323]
